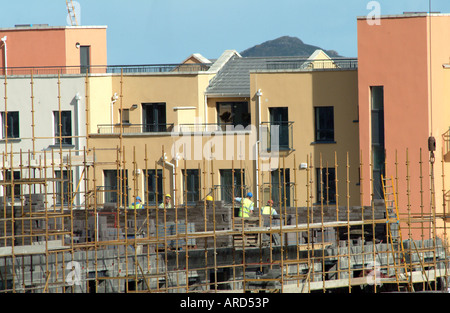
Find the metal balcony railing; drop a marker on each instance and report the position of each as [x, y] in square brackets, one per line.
[281, 194]
[306, 64]
[209, 127]
[102, 69]
[446, 140]
[277, 136]
[134, 128]
[227, 193]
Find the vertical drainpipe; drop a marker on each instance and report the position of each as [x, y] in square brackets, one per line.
[77, 140]
[173, 173]
[258, 96]
[113, 100]
[206, 112]
[3, 39]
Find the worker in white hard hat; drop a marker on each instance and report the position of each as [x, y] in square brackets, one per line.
[166, 204]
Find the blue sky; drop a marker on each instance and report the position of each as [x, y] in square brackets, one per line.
[168, 31]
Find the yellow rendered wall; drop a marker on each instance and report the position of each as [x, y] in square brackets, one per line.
[174, 90]
[439, 107]
[301, 92]
[99, 101]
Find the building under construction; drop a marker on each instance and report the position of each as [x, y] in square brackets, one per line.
[360, 202]
[206, 247]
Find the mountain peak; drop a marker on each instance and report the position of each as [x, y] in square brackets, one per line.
[284, 46]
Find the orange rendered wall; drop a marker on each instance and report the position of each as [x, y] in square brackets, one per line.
[94, 37]
[33, 47]
[52, 46]
[395, 55]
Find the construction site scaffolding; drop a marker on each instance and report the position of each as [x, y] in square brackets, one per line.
[51, 242]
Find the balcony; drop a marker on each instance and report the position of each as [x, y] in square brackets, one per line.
[277, 136]
[134, 128]
[210, 128]
[314, 64]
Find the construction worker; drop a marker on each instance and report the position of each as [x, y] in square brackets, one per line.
[268, 209]
[166, 204]
[209, 202]
[246, 208]
[137, 205]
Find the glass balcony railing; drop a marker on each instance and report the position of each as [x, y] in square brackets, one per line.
[210, 127]
[277, 136]
[227, 193]
[134, 128]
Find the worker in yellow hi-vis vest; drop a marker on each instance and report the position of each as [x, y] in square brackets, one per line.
[268, 209]
[137, 205]
[166, 204]
[246, 208]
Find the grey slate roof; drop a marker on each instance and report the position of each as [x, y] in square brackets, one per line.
[234, 78]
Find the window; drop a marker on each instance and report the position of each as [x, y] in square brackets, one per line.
[324, 118]
[85, 59]
[63, 130]
[280, 184]
[10, 124]
[377, 124]
[154, 117]
[63, 187]
[326, 185]
[15, 187]
[279, 118]
[125, 116]
[153, 186]
[112, 180]
[233, 113]
[191, 184]
[228, 181]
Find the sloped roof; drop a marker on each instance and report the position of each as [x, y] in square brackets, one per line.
[196, 58]
[234, 78]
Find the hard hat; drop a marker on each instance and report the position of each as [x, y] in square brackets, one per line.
[249, 195]
[138, 198]
[168, 196]
[209, 198]
[269, 202]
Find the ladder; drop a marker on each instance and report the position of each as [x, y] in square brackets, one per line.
[71, 10]
[393, 228]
